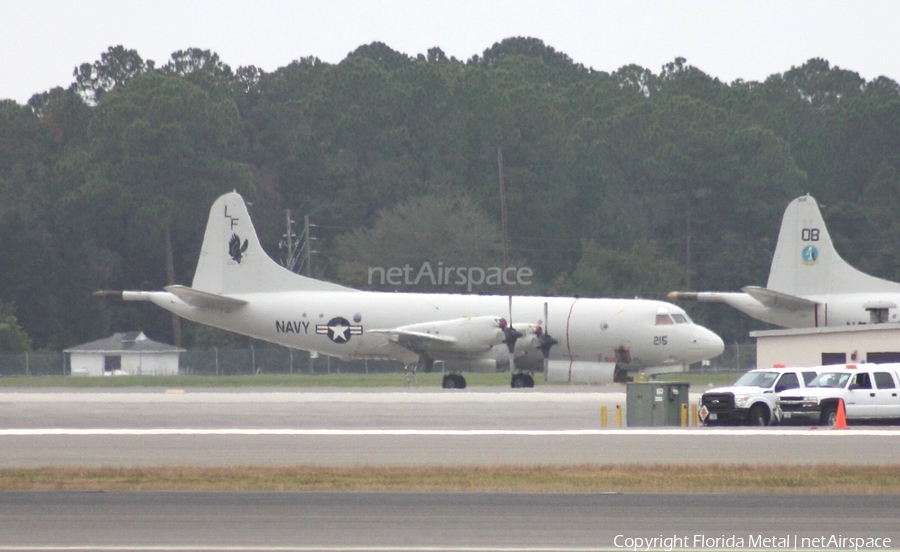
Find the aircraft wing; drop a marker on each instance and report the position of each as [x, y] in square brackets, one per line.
[420, 342]
[457, 338]
[400, 336]
[777, 300]
[205, 300]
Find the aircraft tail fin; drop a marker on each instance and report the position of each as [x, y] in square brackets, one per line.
[233, 261]
[805, 261]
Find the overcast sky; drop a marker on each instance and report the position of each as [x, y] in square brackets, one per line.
[42, 41]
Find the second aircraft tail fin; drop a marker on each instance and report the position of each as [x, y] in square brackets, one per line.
[806, 263]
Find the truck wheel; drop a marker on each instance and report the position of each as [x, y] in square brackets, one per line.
[829, 415]
[759, 415]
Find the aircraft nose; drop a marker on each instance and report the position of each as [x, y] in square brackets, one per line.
[706, 344]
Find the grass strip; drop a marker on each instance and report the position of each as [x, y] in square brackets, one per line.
[288, 381]
[820, 479]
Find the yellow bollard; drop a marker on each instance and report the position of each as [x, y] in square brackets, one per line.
[602, 416]
[618, 415]
[684, 412]
[694, 415]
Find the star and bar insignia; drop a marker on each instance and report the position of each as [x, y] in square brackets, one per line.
[339, 330]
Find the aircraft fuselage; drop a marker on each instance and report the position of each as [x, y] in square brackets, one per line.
[341, 323]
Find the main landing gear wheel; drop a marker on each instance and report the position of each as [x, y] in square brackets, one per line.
[454, 381]
[520, 381]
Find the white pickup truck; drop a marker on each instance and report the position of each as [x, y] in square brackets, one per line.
[869, 391]
[752, 398]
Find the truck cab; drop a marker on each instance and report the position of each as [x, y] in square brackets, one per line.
[869, 391]
[752, 398]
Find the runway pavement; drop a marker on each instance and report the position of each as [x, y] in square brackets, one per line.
[136, 428]
[389, 428]
[441, 521]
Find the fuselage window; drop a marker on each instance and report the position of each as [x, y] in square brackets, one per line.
[663, 319]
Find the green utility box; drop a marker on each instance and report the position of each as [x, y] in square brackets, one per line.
[655, 403]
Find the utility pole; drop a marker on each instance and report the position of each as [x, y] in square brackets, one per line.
[307, 246]
[298, 249]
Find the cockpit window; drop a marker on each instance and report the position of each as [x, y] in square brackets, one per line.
[681, 319]
[663, 319]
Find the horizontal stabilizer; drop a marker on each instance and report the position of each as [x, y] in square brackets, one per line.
[777, 300]
[204, 300]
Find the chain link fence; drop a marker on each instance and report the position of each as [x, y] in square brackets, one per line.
[212, 362]
[38, 363]
[281, 360]
[736, 358]
[276, 360]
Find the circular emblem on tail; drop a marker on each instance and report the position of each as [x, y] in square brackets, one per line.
[810, 255]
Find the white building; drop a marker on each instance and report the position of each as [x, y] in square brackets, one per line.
[872, 343]
[131, 353]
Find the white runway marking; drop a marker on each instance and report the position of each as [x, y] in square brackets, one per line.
[333, 548]
[405, 397]
[197, 548]
[688, 432]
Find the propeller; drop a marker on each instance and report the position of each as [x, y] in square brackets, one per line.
[545, 341]
[510, 335]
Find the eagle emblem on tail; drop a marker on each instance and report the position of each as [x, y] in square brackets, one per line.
[236, 249]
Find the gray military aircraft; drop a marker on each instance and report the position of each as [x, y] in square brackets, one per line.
[238, 287]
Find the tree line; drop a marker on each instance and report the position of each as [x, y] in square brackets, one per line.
[629, 183]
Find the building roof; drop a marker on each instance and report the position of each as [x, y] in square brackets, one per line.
[130, 342]
[862, 328]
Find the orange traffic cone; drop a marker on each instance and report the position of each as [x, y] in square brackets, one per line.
[840, 420]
